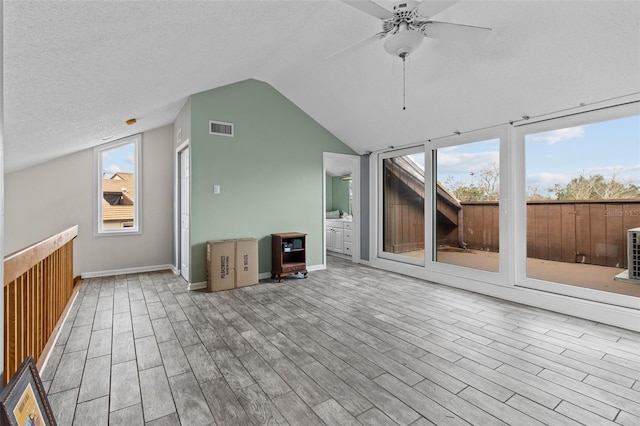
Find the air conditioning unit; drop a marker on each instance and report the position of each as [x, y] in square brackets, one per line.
[633, 241]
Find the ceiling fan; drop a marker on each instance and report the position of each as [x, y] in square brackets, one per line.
[410, 22]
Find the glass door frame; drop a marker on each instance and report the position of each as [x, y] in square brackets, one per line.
[520, 210]
[504, 276]
[380, 208]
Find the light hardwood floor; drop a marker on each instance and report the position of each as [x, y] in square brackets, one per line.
[349, 345]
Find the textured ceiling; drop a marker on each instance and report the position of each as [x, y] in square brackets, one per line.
[75, 71]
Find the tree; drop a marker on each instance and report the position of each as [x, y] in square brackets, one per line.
[595, 187]
[485, 185]
[533, 193]
[489, 181]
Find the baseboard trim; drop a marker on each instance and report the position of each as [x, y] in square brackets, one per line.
[264, 275]
[125, 271]
[197, 286]
[316, 268]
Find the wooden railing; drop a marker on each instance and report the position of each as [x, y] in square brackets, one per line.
[38, 285]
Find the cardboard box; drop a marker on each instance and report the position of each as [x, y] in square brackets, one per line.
[221, 265]
[246, 262]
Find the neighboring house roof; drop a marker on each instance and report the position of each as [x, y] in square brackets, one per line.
[119, 213]
[122, 183]
[409, 172]
[448, 196]
[123, 176]
[412, 175]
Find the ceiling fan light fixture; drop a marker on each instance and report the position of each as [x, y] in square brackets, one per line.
[403, 43]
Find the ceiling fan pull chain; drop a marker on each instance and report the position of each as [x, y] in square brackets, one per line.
[404, 83]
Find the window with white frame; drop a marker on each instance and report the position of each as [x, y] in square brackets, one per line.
[570, 186]
[442, 205]
[582, 200]
[467, 205]
[118, 187]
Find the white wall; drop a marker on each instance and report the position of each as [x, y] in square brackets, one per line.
[2, 250]
[45, 199]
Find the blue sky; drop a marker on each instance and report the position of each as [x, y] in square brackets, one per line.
[119, 159]
[461, 162]
[607, 148]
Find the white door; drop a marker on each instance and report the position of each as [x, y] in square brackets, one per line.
[185, 247]
[328, 236]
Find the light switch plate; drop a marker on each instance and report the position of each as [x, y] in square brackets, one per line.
[216, 189]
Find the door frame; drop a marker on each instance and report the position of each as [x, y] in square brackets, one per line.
[177, 208]
[379, 251]
[355, 177]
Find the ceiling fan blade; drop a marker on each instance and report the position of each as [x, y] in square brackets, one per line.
[456, 32]
[357, 45]
[370, 8]
[429, 8]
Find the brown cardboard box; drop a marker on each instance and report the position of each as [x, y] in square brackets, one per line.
[246, 262]
[220, 265]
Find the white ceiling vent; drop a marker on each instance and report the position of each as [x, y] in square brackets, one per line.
[220, 128]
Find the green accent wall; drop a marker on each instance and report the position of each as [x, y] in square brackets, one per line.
[270, 173]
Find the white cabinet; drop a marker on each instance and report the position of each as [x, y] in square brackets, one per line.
[338, 234]
[338, 240]
[348, 249]
[335, 239]
[348, 240]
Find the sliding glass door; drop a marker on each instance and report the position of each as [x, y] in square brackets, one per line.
[552, 206]
[467, 205]
[402, 207]
[582, 198]
[440, 206]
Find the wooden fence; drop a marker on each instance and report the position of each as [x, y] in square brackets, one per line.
[38, 286]
[593, 232]
[583, 231]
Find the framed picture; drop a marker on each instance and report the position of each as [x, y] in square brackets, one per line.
[23, 401]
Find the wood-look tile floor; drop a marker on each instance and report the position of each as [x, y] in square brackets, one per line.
[349, 345]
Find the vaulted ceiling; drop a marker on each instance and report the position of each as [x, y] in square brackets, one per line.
[75, 71]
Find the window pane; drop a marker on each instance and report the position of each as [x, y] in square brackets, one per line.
[467, 205]
[403, 203]
[118, 187]
[583, 188]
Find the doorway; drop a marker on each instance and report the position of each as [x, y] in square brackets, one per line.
[185, 247]
[341, 206]
[182, 207]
